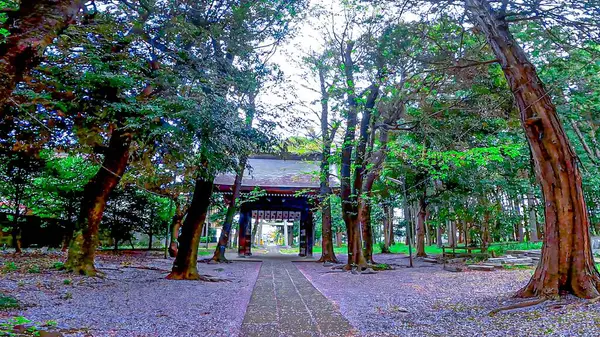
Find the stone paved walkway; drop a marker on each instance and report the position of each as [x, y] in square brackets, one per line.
[285, 304]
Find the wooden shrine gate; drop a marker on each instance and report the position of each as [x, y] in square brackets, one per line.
[290, 187]
[277, 207]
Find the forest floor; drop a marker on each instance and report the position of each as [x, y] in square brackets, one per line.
[131, 299]
[429, 301]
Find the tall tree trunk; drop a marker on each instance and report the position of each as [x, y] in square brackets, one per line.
[438, 238]
[184, 267]
[68, 235]
[327, 137]
[338, 239]
[520, 230]
[451, 229]
[349, 202]
[392, 229]
[150, 231]
[371, 171]
[328, 253]
[591, 155]
[32, 28]
[16, 230]
[254, 230]
[592, 135]
[567, 264]
[219, 254]
[95, 194]
[16, 238]
[533, 236]
[69, 225]
[407, 220]
[175, 226]
[364, 217]
[387, 229]
[421, 226]
[485, 229]
[428, 232]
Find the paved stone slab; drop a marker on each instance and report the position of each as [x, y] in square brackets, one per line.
[285, 304]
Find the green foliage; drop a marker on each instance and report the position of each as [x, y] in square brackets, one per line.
[8, 302]
[8, 5]
[21, 326]
[10, 266]
[382, 266]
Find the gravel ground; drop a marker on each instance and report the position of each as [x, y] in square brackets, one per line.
[428, 301]
[129, 301]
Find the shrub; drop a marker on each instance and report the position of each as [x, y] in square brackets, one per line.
[8, 302]
[10, 266]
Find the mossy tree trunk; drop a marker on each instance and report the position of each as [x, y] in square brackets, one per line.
[567, 264]
[69, 224]
[328, 254]
[219, 254]
[388, 228]
[327, 137]
[224, 237]
[184, 267]
[364, 217]
[347, 193]
[175, 226]
[421, 218]
[95, 195]
[32, 28]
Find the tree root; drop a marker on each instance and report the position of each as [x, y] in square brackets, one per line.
[219, 260]
[148, 268]
[584, 302]
[210, 278]
[518, 306]
[324, 259]
[85, 270]
[109, 268]
[196, 277]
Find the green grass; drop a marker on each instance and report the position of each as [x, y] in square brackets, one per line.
[10, 266]
[202, 251]
[498, 248]
[511, 267]
[501, 247]
[316, 250]
[401, 248]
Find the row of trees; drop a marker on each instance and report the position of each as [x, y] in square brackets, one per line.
[430, 94]
[433, 111]
[50, 187]
[157, 95]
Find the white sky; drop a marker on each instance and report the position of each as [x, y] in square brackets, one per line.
[310, 36]
[288, 58]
